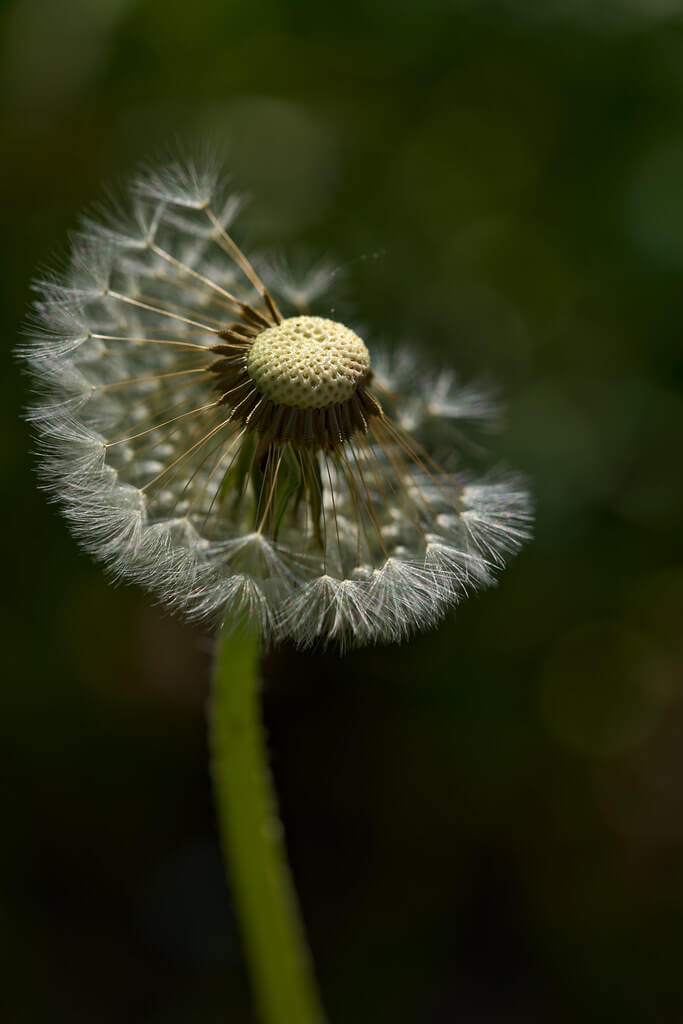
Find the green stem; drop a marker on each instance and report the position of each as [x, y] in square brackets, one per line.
[253, 845]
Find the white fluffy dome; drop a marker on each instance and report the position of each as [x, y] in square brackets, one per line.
[240, 460]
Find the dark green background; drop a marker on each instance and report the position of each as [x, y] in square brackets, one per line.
[486, 825]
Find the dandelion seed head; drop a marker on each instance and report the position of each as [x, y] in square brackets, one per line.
[209, 437]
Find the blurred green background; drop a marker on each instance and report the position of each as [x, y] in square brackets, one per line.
[486, 825]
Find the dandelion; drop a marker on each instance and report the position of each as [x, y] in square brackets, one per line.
[211, 437]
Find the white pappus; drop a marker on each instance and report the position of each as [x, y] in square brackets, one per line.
[209, 436]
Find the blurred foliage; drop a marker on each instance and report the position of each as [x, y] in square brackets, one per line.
[486, 824]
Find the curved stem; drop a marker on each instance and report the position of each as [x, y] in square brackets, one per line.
[253, 844]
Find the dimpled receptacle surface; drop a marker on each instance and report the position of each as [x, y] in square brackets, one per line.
[308, 362]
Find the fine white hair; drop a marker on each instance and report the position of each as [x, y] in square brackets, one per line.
[357, 542]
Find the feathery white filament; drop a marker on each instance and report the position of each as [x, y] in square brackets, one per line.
[242, 462]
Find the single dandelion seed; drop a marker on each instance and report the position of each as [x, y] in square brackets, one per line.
[209, 437]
